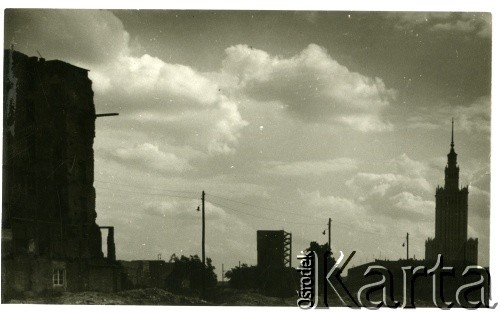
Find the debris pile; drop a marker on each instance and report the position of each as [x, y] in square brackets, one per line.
[148, 296]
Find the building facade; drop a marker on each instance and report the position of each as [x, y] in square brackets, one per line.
[452, 219]
[274, 249]
[145, 273]
[48, 209]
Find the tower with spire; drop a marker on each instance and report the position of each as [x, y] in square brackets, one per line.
[452, 218]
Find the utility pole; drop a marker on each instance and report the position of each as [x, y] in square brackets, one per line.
[203, 242]
[330, 234]
[407, 246]
[223, 274]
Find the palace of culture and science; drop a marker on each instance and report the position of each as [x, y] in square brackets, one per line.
[451, 239]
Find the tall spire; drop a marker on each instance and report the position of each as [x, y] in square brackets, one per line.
[452, 123]
[451, 171]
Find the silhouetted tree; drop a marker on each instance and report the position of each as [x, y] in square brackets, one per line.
[187, 275]
[321, 251]
[279, 282]
[244, 277]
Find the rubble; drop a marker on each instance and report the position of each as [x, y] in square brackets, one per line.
[148, 296]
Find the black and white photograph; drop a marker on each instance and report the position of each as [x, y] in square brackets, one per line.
[247, 157]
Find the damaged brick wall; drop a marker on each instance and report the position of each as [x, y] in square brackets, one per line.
[48, 159]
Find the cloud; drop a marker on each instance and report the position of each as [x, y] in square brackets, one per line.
[413, 18]
[348, 213]
[470, 23]
[151, 157]
[179, 218]
[88, 37]
[394, 196]
[178, 96]
[162, 209]
[310, 16]
[185, 210]
[366, 123]
[407, 166]
[146, 74]
[304, 168]
[413, 207]
[311, 85]
[376, 228]
[382, 184]
[419, 122]
[479, 202]
[474, 118]
[478, 23]
[460, 25]
[174, 97]
[344, 206]
[401, 193]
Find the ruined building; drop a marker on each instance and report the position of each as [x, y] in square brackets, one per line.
[274, 271]
[451, 219]
[50, 239]
[274, 249]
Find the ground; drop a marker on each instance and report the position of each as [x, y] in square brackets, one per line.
[149, 296]
[155, 296]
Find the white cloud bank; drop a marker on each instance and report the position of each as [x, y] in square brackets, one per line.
[478, 24]
[98, 41]
[304, 168]
[203, 106]
[311, 85]
[149, 156]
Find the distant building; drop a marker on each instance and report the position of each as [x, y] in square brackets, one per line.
[451, 219]
[274, 273]
[50, 239]
[274, 249]
[450, 241]
[145, 273]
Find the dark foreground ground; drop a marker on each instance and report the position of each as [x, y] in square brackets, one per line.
[222, 296]
[155, 296]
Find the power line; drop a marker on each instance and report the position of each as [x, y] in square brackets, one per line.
[261, 217]
[218, 196]
[142, 193]
[264, 207]
[142, 187]
[336, 222]
[215, 203]
[349, 226]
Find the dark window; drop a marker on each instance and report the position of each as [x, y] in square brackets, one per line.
[58, 277]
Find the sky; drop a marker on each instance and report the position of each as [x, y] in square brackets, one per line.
[283, 118]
